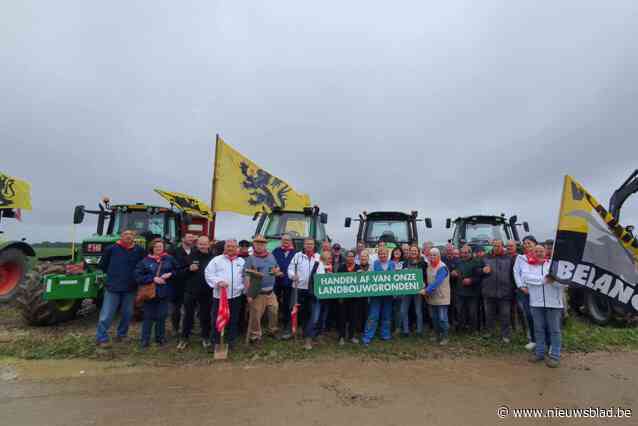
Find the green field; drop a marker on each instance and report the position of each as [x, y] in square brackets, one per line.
[52, 251]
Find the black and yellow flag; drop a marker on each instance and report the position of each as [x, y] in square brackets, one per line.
[14, 193]
[241, 186]
[593, 250]
[185, 202]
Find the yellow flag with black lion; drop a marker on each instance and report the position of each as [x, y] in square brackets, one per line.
[14, 193]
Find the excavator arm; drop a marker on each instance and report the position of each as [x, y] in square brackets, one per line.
[629, 187]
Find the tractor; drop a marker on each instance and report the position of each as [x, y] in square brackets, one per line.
[393, 228]
[308, 223]
[14, 262]
[598, 307]
[481, 230]
[55, 288]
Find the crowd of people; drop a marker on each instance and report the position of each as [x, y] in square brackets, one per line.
[464, 288]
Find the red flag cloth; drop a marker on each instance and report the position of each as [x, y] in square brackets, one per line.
[293, 318]
[223, 312]
[18, 215]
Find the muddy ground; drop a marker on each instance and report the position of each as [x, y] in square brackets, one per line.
[342, 392]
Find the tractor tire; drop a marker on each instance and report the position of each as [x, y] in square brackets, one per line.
[598, 308]
[30, 299]
[13, 268]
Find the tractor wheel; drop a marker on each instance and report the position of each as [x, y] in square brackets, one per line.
[598, 308]
[13, 267]
[37, 311]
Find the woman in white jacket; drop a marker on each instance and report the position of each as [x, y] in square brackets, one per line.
[546, 303]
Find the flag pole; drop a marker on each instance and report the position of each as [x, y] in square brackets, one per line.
[212, 191]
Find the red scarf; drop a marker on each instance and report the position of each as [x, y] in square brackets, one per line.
[533, 260]
[261, 255]
[158, 258]
[350, 268]
[125, 246]
[231, 258]
[312, 253]
[436, 263]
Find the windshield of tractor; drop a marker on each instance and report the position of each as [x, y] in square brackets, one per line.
[142, 222]
[391, 230]
[485, 232]
[295, 224]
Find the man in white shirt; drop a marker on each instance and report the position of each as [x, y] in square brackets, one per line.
[227, 271]
[303, 266]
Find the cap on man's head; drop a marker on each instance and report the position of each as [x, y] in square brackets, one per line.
[478, 249]
[244, 243]
[336, 246]
[260, 239]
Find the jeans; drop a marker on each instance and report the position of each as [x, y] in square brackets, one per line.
[380, 307]
[177, 303]
[406, 301]
[503, 306]
[440, 320]
[467, 309]
[155, 313]
[349, 312]
[283, 296]
[523, 303]
[396, 313]
[111, 302]
[547, 320]
[203, 300]
[232, 328]
[309, 313]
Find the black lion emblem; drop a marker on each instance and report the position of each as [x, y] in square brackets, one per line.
[7, 190]
[264, 189]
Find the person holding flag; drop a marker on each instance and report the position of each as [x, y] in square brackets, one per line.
[226, 272]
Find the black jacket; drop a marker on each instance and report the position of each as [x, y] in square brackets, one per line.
[195, 282]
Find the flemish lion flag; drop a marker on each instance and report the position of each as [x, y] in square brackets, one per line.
[593, 250]
[241, 186]
[14, 193]
[185, 202]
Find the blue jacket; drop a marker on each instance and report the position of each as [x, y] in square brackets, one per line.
[146, 271]
[118, 264]
[284, 262]
[377, 266]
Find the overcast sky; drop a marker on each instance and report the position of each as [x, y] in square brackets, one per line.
[449, 108]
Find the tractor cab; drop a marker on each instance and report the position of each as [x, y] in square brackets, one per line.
[481, 230]
[394, 228]
[308, 223]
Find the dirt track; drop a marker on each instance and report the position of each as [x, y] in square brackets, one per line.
[462, 391]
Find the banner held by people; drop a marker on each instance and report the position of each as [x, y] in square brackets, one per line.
[593, 250]
[14, 193]
[368, 284]
[188, 203]
[241, 186]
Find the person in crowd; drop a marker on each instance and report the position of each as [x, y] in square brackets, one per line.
[468, 277]
[227, 271]
[437, 295]
[522, 292]
[479, 252]
[182, 257]
[546, 303]
[197, 294]
[156, 268]
[497, 288]
[361, 246]
[549, 248]
[380, 307]
[283, 285]
[427, 246]
[512, 249]
[375, 255]
[405, 249]
[118, 263]
[338, 258]
[244, 249]
[265, 300]
[446, 256]
[349, 309]
[414, 261]
[364, 266]
[452, 263]
[396, 255]
[301, 271]
[218, 249]
[325, 245]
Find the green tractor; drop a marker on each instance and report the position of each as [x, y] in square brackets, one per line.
[55, 288]
[308, 223]
[393, 228]
[481, 230]
[14, 262]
